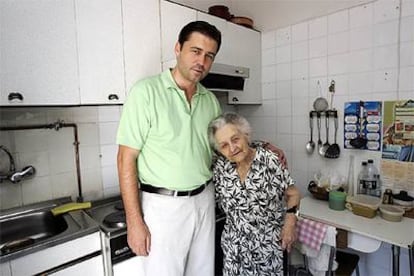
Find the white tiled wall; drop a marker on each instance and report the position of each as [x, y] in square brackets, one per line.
[52, 153]
[369, 51]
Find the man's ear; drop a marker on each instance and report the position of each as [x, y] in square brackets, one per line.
[177, 48]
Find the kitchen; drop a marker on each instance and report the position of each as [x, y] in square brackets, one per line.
[368, 49]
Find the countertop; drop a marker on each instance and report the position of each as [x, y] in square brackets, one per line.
[396, 233]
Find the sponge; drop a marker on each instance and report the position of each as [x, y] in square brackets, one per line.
[72, 206]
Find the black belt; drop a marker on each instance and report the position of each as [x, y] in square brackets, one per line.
[163, 191]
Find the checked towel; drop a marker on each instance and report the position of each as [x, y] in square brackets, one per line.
[311, 233]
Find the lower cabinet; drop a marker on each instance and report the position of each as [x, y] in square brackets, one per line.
[82, 256]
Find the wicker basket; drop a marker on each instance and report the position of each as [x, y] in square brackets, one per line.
[318, 192]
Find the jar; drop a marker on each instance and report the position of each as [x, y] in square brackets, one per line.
[387, 197]
[337, 200]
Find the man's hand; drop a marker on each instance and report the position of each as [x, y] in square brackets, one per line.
[139, 239]
[280, 154]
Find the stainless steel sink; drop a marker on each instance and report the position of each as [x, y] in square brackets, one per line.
[26, 229]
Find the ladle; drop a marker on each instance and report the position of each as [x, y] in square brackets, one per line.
[324, 148]
[310, 146]
[334, 150]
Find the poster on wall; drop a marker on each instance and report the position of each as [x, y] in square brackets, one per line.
[397, 163]
[362, 125]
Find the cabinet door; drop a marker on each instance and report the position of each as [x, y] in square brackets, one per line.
[142, 40]
[90, 267]
[247, 53]
[173, 18]
[38, 55]
[101, 60]
[221, 25]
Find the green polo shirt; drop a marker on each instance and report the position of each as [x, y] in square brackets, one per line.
[170, 134]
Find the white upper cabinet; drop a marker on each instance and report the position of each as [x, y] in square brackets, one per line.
[173, 18]
[38, 53]
[246, 52]
[101, 60]
[142, 39]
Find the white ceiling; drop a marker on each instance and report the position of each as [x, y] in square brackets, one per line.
[272, 14]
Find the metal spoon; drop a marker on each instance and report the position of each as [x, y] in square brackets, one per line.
[324, 148]
[310, 146]
[318, 116]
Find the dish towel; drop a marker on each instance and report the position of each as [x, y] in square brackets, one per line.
[311, 233]
[315, 240]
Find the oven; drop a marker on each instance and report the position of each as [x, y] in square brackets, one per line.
[118, 257]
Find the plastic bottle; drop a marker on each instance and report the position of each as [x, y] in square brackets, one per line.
[362, 178]
[373, 182]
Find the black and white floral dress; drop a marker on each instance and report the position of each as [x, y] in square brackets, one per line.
[251, 239]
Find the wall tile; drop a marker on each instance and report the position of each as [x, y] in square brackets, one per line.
[10, 195]
[318, 27]
[385, 80]
[36, 189]
[283, 36]
[361, 16]
[88, 134]
[407, 29]
[268, 91]
[61, 161]
[300, 88]
[64, 184]
[108, 155]
[107, 133]
[385, 10]
[90, 157]
[269, 73]
[360, 61]
[283, 89]
[300, 32]
[283, 71]
[300, 51]
[318, 47]
[109, 113]
[361, 83]
[109, 177]
[338, 22]
[386, 33]
[268, 56]
[300, 70]
[338, 43]
[407, 79]
[268, 40]
[338, 64]
[283, 54]
[92, 184]
[407, 8]
[386, 57]
[318, 67]
[361, 38]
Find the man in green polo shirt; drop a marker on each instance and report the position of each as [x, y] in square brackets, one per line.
[164, 161]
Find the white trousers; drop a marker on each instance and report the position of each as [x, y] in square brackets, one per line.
[182, 234]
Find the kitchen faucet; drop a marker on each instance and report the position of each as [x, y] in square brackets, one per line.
[13, 175]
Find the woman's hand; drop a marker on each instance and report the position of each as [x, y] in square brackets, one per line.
[289, 232]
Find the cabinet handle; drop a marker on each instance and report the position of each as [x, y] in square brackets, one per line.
[113, 97]
[15, 96]
[235, 99]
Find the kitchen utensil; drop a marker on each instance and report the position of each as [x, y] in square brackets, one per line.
[360, 141]
[310, 146]
[325, 146]
[220, 11]
[242, 20]
[318, 120]
[332, 91]
[320, 103]
[334, 150]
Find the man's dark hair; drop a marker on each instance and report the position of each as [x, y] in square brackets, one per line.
[200, 27]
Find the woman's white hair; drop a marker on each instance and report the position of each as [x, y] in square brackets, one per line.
[228, 118]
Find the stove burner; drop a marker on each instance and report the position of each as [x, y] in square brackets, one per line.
[119, 206]
[115, 220]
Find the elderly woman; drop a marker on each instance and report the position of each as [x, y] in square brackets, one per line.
[250, 187]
